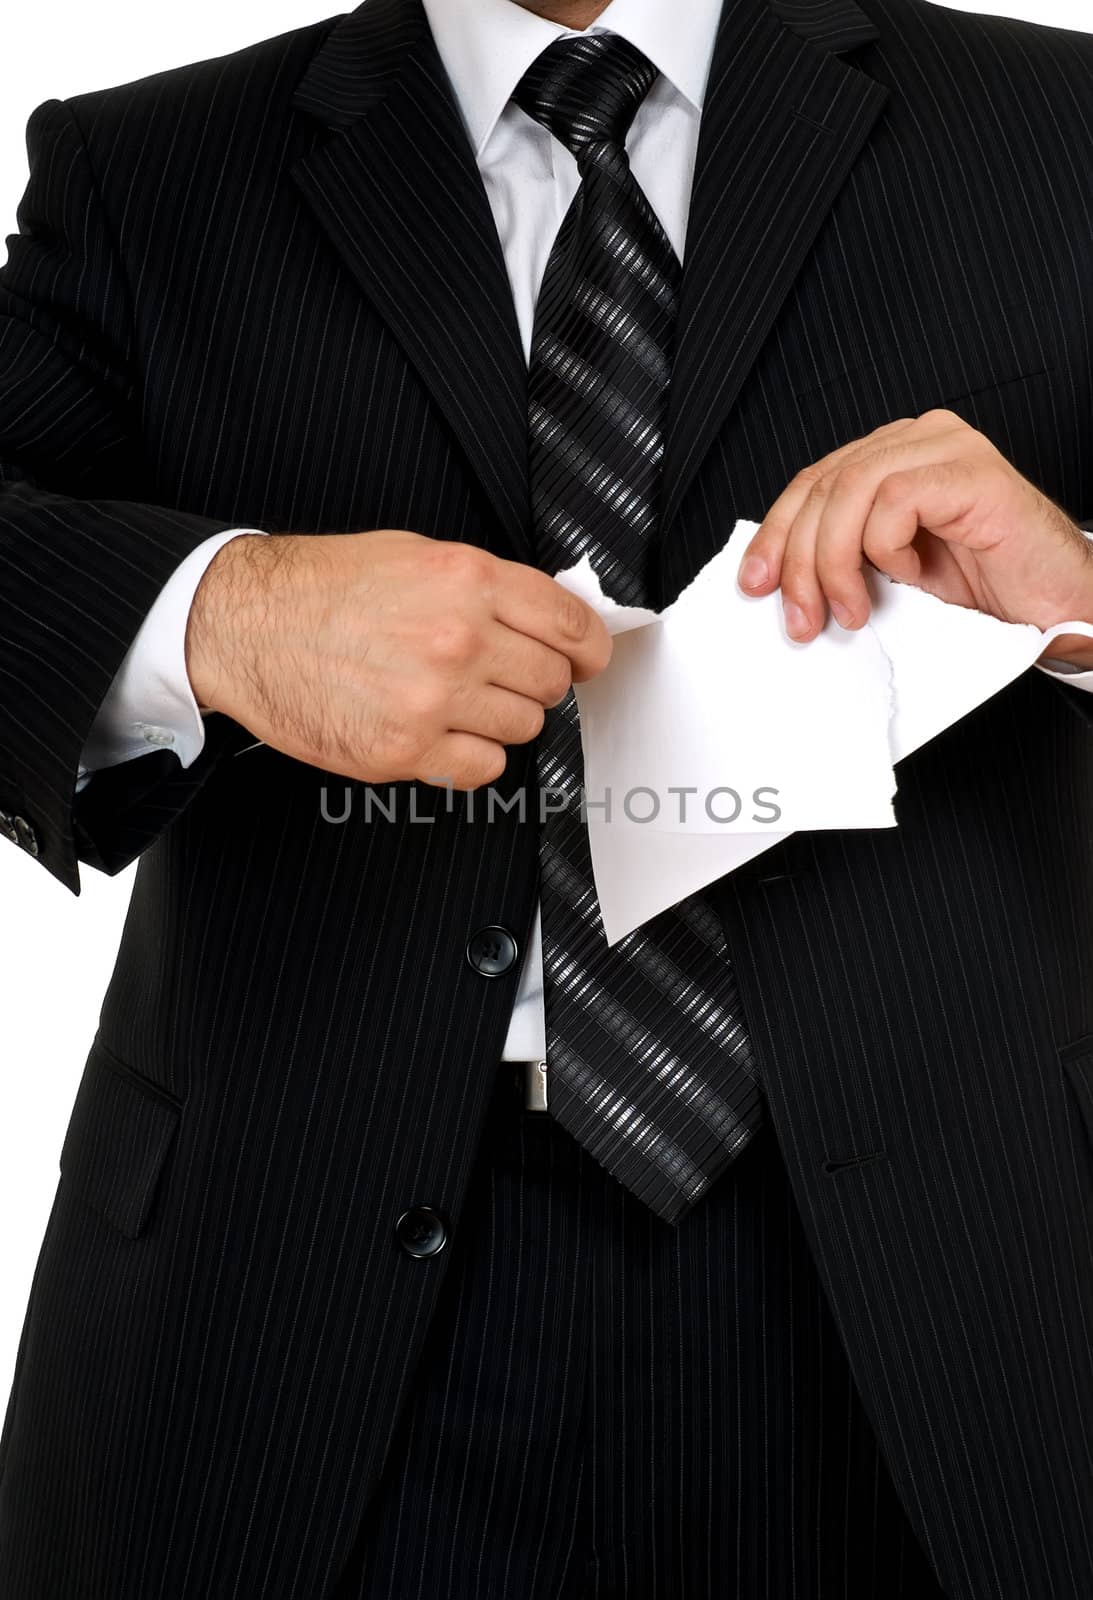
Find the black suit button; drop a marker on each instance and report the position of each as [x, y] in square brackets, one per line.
[421, 1231]
[492, 951]
[7, 828]
[25, 835]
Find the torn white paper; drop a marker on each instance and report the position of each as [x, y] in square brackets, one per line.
[678, 732]
[712, 734]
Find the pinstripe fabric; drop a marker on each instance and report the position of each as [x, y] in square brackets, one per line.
[594, 1417]
[266, 290]
[650, 1065]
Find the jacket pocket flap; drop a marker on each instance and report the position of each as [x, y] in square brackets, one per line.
[947, 360]
[118, 1137]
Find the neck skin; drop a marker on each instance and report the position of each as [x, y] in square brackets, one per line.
[569, 13]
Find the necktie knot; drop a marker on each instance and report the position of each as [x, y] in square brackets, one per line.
[586, 88]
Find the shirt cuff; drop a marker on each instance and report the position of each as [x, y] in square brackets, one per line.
[150, 704]
[1077, 677]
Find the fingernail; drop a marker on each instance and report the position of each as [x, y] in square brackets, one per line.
[796, 621]
[753, 572]
[842, 616]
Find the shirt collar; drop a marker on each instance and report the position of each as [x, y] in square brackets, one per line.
[487, 46]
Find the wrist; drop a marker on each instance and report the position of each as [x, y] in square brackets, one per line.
[1074, 649]
[230, 598]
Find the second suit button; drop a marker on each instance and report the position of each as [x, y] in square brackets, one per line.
[421, 1231]
[492, 951]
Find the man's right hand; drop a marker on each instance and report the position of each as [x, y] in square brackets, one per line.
[385, 655]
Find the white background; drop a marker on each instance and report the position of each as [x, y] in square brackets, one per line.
[57, 949]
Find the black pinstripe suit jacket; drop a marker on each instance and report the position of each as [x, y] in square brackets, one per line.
[266, 289]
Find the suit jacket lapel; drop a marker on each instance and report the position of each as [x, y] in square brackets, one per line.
[397, 191]
[782, 123]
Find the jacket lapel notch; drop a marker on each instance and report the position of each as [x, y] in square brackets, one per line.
[397, 191]
[784, 120]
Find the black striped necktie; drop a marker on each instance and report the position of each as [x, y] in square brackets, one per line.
[649, 1063]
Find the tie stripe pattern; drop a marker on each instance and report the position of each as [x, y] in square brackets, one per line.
[651, 1069]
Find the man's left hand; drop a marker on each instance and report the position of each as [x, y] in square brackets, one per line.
[930, 501]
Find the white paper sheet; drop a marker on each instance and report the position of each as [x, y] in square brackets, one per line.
[711, 735]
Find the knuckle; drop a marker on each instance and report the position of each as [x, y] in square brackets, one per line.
[798, 579]
[492, 766]
[518, 722]
[880, 543]
[770, 543]
[894, 487]
[459, 563]
[845, 593]
[572, 615]
[556, 684]
[453, 642]
[836, 574]
[820, 488]
[605, 651]
[876, 546]
[423, 701]
[530, 724]
[854, 475]
[472, 772]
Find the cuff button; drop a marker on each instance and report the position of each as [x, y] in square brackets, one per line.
[25, 835]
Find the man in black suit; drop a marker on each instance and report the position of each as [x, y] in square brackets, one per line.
[409, 1240]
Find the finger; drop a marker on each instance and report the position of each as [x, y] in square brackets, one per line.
[535, 604]
[890, 548]
[839, 505]
[515, 661]
[831, 520]
[802, 599]
[939, 496]
[839, 562]
[494, 713]
[760, 569]
[845, 507]
[462, 761]
[839, 538]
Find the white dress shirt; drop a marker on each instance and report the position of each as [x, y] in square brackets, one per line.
[486, 47]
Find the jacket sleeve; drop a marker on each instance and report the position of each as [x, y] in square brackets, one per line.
[84, 551]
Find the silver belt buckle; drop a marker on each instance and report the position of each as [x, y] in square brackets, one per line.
[535, 1085]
